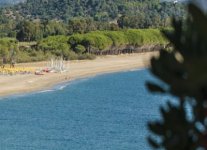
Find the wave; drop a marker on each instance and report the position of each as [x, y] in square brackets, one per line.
[45, 91]
[61, 87]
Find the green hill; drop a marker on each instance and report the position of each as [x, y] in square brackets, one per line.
[100, 10]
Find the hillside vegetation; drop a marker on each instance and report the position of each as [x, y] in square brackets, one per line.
[33, 20]
[81, 29]
[100, 10]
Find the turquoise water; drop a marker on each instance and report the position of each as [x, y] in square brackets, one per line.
[106, 112]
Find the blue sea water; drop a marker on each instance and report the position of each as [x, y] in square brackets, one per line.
[106, 112]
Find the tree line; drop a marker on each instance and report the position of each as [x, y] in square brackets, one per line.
[36, 30]
[84, 46]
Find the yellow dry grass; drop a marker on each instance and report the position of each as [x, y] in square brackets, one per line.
[16, 70]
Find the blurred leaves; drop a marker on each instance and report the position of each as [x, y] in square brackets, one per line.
[184, 70]
[155, 88]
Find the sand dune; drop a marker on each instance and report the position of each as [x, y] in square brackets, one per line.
[16, 84]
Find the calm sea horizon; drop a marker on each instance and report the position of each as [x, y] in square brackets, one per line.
[107, 111]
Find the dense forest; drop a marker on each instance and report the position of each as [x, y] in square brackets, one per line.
[35, 21]
[42, 18]
[99, 10]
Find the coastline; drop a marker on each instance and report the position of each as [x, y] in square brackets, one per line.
[23, 84]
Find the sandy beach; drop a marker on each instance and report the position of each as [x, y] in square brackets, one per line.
[16, 84]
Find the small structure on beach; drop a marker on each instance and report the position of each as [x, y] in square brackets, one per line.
[53, 66]
[57, 65]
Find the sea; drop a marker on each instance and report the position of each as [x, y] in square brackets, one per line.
[104, 112]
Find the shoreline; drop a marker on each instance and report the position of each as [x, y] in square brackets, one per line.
[62, 84]
[25, 84]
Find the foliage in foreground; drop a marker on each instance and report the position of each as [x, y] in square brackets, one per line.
[184, 70]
